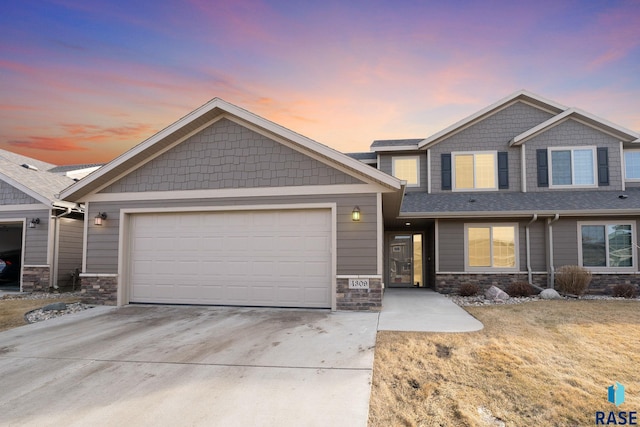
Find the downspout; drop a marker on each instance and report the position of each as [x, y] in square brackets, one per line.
[552, 272]
[56, 231]
[526, 230]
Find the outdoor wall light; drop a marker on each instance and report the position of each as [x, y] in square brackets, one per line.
[34, 222]
[355, 214]
[98, 219]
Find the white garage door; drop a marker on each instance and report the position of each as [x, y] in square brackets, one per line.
[255, 258]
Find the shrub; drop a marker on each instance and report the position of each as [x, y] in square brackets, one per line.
[625, 290]
[572, 279]
[469, 290]
[519, 289]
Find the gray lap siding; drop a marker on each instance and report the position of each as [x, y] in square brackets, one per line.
[36, 239]
[356, 241]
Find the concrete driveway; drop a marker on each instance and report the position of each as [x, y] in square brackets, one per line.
[189, 366]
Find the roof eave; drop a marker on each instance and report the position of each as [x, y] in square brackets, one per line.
[517, 214]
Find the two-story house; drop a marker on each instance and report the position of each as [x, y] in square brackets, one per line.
[511, 193]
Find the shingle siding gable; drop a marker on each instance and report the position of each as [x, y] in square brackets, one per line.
[227, 155]
[492, 133]
[10, 195]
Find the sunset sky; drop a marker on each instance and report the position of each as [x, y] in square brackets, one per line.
[83, 81]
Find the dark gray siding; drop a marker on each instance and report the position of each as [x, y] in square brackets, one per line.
[356, 241]
[492, 133]
[10, 195]
[69, 249]
[572, 133]
[36, 239]
[537, 245]
[386, 166]
[450, 245]
[227, 155]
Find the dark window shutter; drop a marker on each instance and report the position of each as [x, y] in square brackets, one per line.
[503, 170]
[603, 166]
[543, 167]
[446, 171]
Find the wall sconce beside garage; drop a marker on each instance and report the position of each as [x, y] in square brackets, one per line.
[355, 214]
[34, 222]
[99, 218]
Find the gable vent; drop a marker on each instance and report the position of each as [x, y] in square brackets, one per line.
[28, 166]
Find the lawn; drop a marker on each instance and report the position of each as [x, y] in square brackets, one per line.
[543, 363]
[12, 311]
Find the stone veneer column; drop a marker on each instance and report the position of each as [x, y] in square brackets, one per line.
[36, 278]
[359, 299]
[101, 289]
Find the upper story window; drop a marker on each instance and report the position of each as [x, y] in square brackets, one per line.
[572, 167]
[606, 245]
[475, 170]
[632, 164]
[407, 168]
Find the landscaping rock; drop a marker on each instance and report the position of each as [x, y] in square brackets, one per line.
[55, 306]
[549, 294]
[496, 294]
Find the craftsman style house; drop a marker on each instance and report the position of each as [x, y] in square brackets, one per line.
[511, 193]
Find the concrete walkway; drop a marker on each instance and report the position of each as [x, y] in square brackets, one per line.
[423, 310]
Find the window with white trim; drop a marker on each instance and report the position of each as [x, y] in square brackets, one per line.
[632, 164]
[572, 167]
[407, 168]
[475, 170]
[491, 246]
[606, 245]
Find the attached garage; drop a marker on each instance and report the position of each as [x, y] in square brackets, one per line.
[277, 257]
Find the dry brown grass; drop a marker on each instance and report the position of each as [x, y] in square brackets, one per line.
[545, 363]
[12, 311]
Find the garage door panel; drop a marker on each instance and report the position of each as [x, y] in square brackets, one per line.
[279, 258]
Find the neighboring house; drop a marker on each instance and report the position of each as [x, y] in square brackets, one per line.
[225, 207]
[511, 193]
[40, 235]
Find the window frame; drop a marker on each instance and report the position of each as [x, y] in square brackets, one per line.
[393, 168]
[608, 268]
[624, 166]
[491, 269]
[474, 153]
[594, 165]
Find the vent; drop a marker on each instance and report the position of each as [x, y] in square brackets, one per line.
[30, 167]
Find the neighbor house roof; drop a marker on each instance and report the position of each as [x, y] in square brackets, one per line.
[496, 204]
[589, 119]
[32, 177]
[521, 95]
[198, 120]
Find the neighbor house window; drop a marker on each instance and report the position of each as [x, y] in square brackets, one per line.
[606, 245]
[573, 167]
[475, 170]
[632, 164]
[407, 169]
[491, 246]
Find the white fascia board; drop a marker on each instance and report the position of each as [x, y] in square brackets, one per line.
[583, 117]
[27, 207]
[504, 102]
[239, 192]
[39, 197]
[518, 214]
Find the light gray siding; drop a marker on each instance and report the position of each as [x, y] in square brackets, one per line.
[356, 241]
[69, 249]
[572, 133]
[227, 155]
[36, 239]
[386, 166]
[10, 195]
[492, 133]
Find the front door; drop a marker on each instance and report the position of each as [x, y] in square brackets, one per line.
[405, 260]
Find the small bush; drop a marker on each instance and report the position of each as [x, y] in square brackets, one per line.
[519, 289]
[469, 290]
[572, 279]
[625, 291]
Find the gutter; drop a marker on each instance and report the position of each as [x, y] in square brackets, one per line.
[552, 272]
[528, 239]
